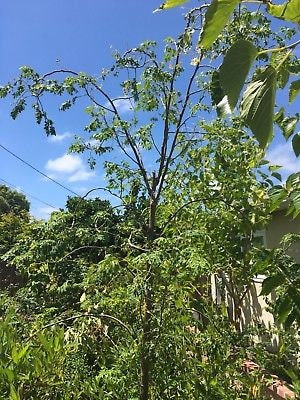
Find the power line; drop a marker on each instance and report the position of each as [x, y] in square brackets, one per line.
[28, 194]
[38, 171]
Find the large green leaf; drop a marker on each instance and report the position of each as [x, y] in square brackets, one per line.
[271, 283]
[257, 106]
[289, 125]
[281, 60]
[294, 90]
[277, 195]
[216, 18]
[296, 144]
[295, 199]
[286, 124]
[216, 90]
[289, 11]
[293, 315]
[293, 181]
[218, 97]
[284, 308]
[235, 68]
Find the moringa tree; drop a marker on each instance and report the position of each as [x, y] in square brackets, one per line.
[189, 192]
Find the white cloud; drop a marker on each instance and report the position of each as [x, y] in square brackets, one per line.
[81, 175]
[70, 167]
[122, 105]
[60, 137]
[82, 190]
[283, 154]
[67, 163]
[92, 142]
[44, 212]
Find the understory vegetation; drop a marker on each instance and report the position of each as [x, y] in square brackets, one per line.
[137, 290]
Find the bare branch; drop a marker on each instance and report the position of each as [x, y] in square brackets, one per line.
[101, 188]
[136, 247]
[165, 167]
[164, 146]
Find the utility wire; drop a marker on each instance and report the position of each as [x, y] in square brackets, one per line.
[38, 171]
[28, 194]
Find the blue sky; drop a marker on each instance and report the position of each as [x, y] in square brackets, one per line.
[80, 35]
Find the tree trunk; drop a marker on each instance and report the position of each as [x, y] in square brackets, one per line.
[145, 350]
[146, 357]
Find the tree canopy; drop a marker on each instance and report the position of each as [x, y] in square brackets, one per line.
[12, 201]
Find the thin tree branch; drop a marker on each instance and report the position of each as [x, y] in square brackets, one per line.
[115, 111]
[275, 50]
[78, 249]
[164, 146]
[84, 315]
[136, 247]
[101, 188]
[165, 167]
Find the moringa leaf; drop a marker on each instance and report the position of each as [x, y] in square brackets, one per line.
[289, 11]
[170, 4]
[257, 106]
[294, 90]
[277, 175]
[235, 68]
[278, 117]
[216, 18]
